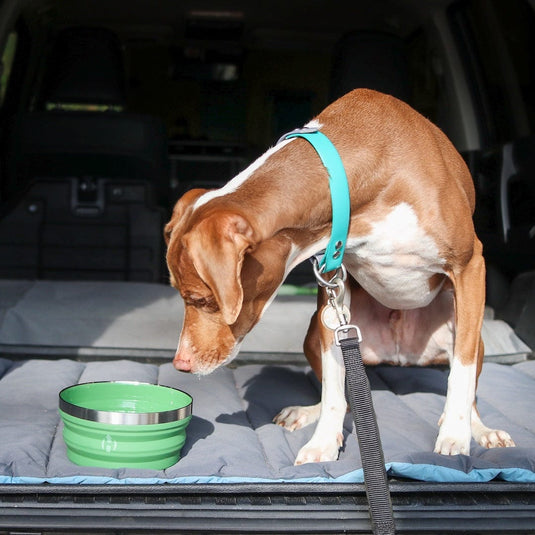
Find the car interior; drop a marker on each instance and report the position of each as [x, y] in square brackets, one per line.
[110, 110]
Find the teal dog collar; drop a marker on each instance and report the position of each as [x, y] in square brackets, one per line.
[334, 252]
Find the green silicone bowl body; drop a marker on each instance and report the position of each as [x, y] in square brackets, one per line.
[124, 424]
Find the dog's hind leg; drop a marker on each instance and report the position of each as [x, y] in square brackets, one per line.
[469, 297]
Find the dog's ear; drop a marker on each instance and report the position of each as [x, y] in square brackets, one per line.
[217, 247]
[181, 211]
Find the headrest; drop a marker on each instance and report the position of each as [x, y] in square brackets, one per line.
[85, 66]
[371, 60]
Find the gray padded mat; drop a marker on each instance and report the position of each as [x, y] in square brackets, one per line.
[231, 437]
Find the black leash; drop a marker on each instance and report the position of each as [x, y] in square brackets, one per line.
[336, 316]
[371, 451]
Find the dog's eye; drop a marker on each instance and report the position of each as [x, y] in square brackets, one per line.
[167, 233]
[206, 303]
[196, 301]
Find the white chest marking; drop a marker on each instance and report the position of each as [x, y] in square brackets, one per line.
[395, 260]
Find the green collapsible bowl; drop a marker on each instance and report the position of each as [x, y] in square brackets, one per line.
[124, 424]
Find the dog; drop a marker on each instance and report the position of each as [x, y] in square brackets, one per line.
[416, 284]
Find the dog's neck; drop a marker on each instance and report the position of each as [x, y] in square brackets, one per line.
[283, 194]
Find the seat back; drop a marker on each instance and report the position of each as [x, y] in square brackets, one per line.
[83, 229]
[99, 145]
[517, 191]
[80, 127]
[88, 173]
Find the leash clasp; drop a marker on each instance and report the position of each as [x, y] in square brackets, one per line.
[335, 314]
[344, 330]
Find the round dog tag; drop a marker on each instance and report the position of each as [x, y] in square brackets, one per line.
[329, 317]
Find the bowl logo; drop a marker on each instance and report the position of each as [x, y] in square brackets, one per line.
[108, 444]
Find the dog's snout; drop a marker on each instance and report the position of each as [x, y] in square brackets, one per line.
[183, 357]
[194, 357]
[181, 363]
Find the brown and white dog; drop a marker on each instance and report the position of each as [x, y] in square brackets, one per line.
[417, 277]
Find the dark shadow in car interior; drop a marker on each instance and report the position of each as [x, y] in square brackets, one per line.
[92, 182]
[91, 188]
[114, 110]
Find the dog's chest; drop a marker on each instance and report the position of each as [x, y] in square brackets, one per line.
[395, 261]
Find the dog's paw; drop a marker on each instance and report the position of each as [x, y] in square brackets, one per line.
[453, 440]
[495, 438]
[452, 445]
[296, 417]
[316, 451]
[489, 438]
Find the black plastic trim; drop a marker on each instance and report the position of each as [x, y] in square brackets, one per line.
[421, 508]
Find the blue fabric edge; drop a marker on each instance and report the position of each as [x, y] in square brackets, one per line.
[420, 472]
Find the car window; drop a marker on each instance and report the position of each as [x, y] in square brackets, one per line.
[8, 54]
[500, 59]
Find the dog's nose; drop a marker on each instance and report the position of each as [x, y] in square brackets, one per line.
[182, 364]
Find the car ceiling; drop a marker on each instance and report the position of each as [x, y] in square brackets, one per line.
[262, 23]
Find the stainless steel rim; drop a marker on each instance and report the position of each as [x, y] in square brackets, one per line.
[124, 418]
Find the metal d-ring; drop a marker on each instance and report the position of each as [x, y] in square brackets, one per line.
[340, 274]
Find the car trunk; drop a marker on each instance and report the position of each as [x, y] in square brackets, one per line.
[236, 473]
[184, 96]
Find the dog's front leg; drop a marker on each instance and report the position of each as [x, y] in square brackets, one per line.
[469, 297]
[298, 416]
[328, 438]
[326, 360]
[465, 364]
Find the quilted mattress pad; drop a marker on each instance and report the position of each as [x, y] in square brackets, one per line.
[231, 437]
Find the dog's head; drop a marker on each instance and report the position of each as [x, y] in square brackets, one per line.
[225, 276]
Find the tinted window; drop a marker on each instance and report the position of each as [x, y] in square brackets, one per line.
[8, 55]
[498, 40]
